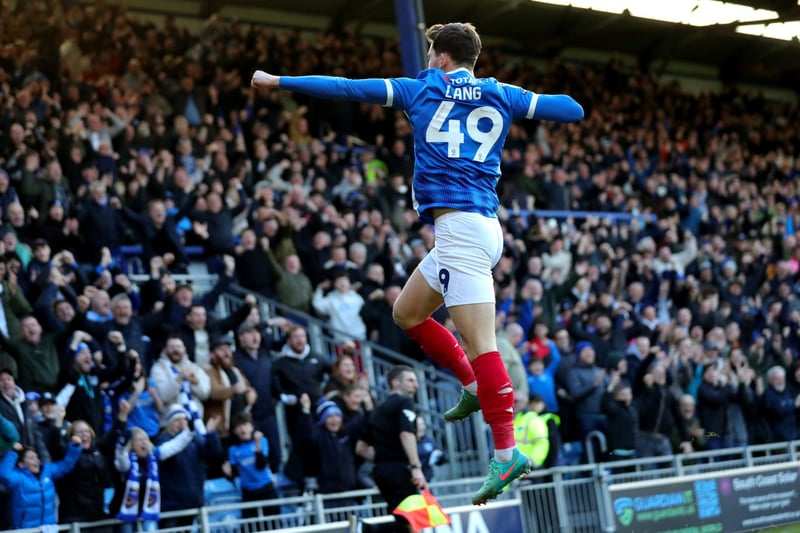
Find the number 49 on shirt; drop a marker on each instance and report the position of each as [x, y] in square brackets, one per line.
[454, 136]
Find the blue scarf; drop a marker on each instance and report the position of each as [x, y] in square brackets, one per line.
[188, 403]
[129, 511]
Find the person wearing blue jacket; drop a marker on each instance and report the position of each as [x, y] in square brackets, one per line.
[31, 483]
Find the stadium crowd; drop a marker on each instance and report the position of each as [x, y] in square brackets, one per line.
[671, 330]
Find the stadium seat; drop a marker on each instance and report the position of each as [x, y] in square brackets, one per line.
[220, 490]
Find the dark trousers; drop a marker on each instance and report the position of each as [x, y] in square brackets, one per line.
[267, 492]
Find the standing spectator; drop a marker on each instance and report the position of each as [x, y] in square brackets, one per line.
[343, 308]
[183, 475]
[178, 380]
[138, 461]
[623, 419]
[713, 396]
[82, 396]
[586, 385]
[659, 417]
[430, 454]
[249, 460]
[255, 362]
[146, 405]
[541, 380]
[107, 226]
[81, 492]
[390, 441]
[292, 285]
[14, 408]
[779, 406]
[31, 483]
[231, 393]
[298, 372]
[254, 270]
[697, 434]
[331, 449]
[37, 354]
[507, 341]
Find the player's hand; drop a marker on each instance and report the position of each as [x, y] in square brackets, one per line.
[262, 80]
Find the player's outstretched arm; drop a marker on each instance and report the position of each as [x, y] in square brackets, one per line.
[374, 91]
[558, 108]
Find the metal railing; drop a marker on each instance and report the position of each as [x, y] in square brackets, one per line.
[567, 499]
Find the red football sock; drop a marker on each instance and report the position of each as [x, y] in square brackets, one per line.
[437, 341]
[496, 396]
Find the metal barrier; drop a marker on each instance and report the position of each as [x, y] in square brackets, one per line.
[567, 499]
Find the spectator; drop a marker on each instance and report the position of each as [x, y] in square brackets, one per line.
[586, 385]
[329, 449]
[146, 405]
[248, 460]
[255, 363]
[292, 285]
[179, 380]
[507, 341]
[37, 354]
[183, 475]
[541, 379]
[231, 393]
[623, 419]
[342, 306]
[430, 454]
[99, 214]
[297, 371]
[81, 492]
[82, 396]
[660, 422]
[138, 461]
[31, 482]
[13, 407]
[713, 397]
[780, 406]
[697, 433]
[197, 329]
[251, 256]
[345, 373]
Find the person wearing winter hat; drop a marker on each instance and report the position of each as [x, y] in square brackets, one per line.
[331, 446]
[183, 475]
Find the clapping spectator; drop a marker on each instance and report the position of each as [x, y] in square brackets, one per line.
[231, 393]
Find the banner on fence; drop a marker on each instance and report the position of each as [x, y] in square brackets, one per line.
[744, 499]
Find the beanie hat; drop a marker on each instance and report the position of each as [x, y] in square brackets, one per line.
[326, 409]
[581, 345]
[175, 411]
[81, 346]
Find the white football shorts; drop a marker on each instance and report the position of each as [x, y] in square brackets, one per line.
[459, 267]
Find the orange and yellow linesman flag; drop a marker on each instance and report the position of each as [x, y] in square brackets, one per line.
[422, 511]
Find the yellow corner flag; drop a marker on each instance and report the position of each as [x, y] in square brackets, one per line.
[422, 511]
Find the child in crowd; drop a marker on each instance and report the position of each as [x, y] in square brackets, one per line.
[250, 460]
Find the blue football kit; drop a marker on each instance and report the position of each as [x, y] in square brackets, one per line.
[460, 125]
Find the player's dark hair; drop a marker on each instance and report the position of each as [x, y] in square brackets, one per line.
[396, 371]
[459, 39]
